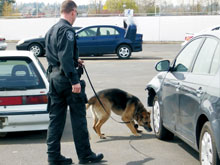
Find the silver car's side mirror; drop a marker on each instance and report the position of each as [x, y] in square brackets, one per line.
[163, 66]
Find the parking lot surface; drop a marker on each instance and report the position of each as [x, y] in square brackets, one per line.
[120, 147]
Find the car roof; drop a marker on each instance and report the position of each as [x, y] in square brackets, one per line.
[99, 26]
[15, 53]
[212, 33]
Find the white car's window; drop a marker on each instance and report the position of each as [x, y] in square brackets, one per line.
[19, 73]
[108, 31]
[184, 59]
[216, 61]
[204, 58]
[89, 32]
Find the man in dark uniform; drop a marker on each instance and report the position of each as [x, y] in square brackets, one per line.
[66, 89]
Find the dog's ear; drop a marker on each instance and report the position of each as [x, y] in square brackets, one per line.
[146, 114]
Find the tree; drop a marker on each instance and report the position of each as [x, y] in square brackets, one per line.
[5, 3]
[7, 9]
[148, 7]
[120, 5]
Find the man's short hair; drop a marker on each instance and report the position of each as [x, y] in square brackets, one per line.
[67, 6]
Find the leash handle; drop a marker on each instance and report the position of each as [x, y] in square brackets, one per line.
[99, 98]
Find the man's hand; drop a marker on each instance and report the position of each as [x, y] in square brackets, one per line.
[76, 88]
[81, 62]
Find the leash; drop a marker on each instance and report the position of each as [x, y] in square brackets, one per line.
[100, 102]
[135, 149]
[139, 152]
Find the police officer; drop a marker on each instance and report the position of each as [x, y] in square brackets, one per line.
[66, 89]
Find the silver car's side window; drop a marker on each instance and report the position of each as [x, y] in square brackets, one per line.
[204, 58]
[185, 58]
[216, 61]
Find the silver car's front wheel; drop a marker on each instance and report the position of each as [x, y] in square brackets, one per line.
[160, 131]
[156, 116]
[206, 149]
[208, 152]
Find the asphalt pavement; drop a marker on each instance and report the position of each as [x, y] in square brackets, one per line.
[120, 147]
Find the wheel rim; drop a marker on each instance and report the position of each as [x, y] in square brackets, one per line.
[156, 116]
[124, 52]
[206, 149]
[35, 49]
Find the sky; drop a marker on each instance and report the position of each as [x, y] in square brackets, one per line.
[83, 2]
[78, 2]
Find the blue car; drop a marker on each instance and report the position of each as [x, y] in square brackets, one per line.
[98, 40]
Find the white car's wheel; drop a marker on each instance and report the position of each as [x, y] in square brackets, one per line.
[207, 149]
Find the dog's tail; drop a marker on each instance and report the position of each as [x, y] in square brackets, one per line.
[91, 101]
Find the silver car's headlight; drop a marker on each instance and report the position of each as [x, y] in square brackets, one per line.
[20, 42]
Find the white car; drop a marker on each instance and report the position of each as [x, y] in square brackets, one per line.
[189, 36]
[23, 92]
[3, 44]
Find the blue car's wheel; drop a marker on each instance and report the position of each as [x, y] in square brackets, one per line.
[124, 51]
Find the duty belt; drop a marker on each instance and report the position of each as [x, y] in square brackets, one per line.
[55, 68]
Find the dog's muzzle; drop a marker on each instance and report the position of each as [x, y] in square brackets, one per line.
[147, 127]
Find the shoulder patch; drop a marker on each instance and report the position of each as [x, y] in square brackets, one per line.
[70, 35]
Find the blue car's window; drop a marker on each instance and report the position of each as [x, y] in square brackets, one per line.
[89, 32]
[216, 61]
[204, 59]
[184, 59]
[108, 31]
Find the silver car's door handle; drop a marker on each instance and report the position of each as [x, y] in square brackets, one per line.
[199, 92]
[177, 86]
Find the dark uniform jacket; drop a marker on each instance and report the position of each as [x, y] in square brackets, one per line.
[61, 49]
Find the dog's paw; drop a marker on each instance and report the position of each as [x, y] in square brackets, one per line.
[102, 137]
[139, 131]
[137, 134]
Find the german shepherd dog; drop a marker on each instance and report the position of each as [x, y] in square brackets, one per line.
[128, 106]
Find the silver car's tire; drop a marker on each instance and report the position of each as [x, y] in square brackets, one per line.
[207, 147]
[36, 49]
[124, 51]
[160, 131]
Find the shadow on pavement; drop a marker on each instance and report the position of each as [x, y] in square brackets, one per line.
[119, 138]
[115, 58]
[29, 137]
[188, 149]
[140, 162]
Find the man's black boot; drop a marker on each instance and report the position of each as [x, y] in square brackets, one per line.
[93, 158]
[61, 160]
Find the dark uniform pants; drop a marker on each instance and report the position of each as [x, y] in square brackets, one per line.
[61, 96]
